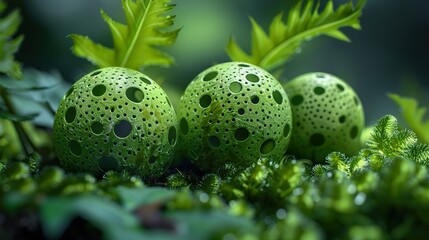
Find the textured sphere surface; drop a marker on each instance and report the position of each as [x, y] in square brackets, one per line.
[328, 116]
[233, 113]
[115, 119]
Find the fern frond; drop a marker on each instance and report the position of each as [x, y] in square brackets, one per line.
[305, 21]
[419, 153]
[382, 132]
[357, 163]
[414, 116]
[10, 45]
[400, 142]
[338, 161]
[134, 43]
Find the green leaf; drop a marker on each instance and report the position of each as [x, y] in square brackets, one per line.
[57, 212]
[38, 92]
[305, 21]
[414, 116]
[16, 118]
[9, 45]
[134, 43]
[211, 224]
[133, 197]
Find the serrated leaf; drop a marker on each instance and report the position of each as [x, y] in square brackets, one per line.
[134, 43]
[382, 132]
[414, 116]
[305, 21]
[419, 152]
[38, 92]
[10, 45]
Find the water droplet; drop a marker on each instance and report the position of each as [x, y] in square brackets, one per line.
[204, 197]
[351, 189]
[360, 198]
[298, 191]
[281, 213]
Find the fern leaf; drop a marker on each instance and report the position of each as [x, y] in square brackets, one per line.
[400, 142]
[419, 153]
[8, 44]
[382, 132]
[305, 21]
[135, 44]
[337, 161]
[414, 116]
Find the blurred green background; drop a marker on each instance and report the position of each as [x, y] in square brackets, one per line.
[389, 54]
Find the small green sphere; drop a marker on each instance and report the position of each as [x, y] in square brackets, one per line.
[328, 116]
[115, 119]
[234, 113]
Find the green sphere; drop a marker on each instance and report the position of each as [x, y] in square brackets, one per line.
[328, 116]
[115, 119]
[234, 113]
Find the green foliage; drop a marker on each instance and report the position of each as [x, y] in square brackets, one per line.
[9, 44]
[304, 21]
[134, 43]
[413, 115]
[381, 193]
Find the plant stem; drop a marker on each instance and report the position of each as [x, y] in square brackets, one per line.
[26, 143]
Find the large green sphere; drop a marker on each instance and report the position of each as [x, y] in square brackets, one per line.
[234, 113]
[115, 119]
[328, 116]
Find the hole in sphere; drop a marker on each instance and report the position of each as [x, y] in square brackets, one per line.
[356, 100]
[320, 75]
[241, 134]
[123, 129]
[145, 80]
[317, 139]
[267, 146]
[95, 73]
[205, 101]
[98, 90]
[75, 148]
[168, 101]
[252, 78]
[286, 130]
[243, 65]
[70, 114]
[319, 90]
[209, 76]
[184, 127]
[278, 97]
[235, 87]
[108, 163]
[96, 127]
[340, 87]
[354, 132]
[254, 99]
[172, 136]
[240, 111]
[342, 119]
[297, 99]
[69, 91]
[214, 141]
[134, 94]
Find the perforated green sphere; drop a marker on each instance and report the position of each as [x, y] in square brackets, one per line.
[234, 113]
[115, 119]
[328, 116]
